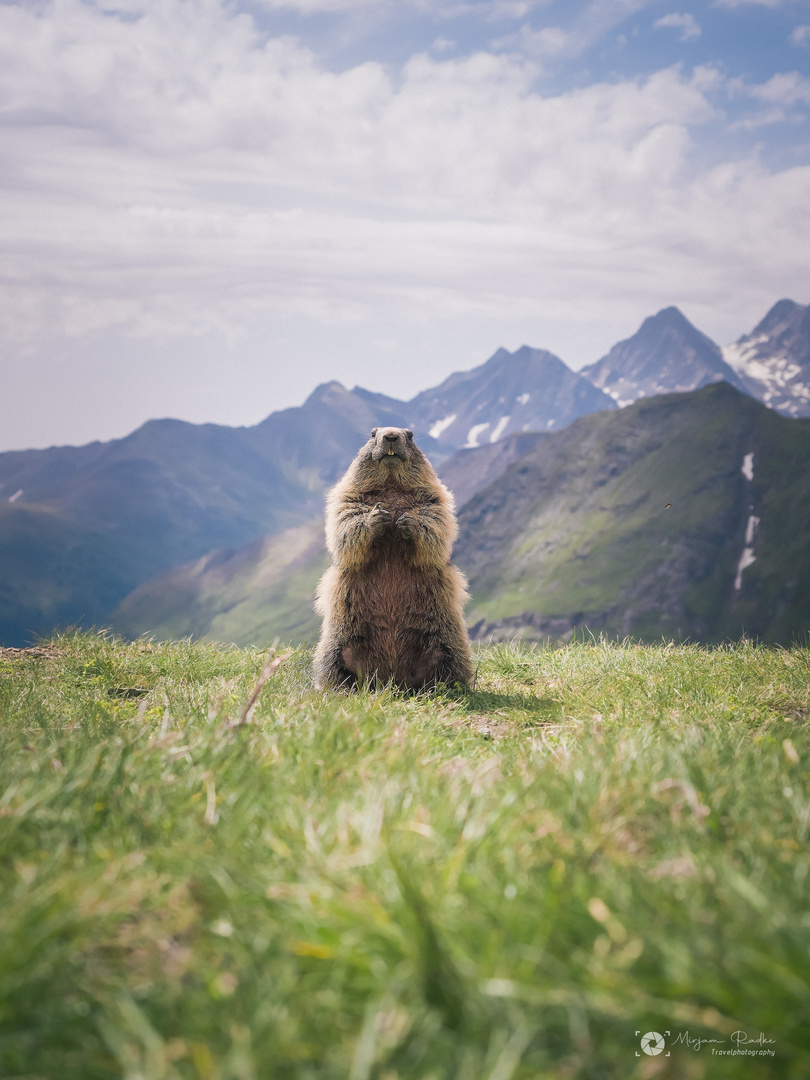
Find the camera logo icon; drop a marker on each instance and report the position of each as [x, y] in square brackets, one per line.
[652, 1043]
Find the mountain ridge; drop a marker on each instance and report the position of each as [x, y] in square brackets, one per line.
[772, 363]
[684, 515]
[666, 354]
[116, 514]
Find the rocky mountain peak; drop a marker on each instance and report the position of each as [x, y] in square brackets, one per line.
[327, 393]
[773, 361]
[783, 315]
[667, 353]
[526, 390]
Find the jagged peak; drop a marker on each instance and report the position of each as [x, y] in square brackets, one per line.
[526, 354]
[668, 317]
[782, 311]
[326, 391]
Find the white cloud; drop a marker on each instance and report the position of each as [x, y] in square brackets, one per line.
[310, 7]
[176, 176]
[512, 9]
[596, 19]
[783, 91]
[789, 88]
[686, 23]
[760, 3]
[801, 35]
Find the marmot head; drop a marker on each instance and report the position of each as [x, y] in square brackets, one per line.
[391, 457]
[389, 443]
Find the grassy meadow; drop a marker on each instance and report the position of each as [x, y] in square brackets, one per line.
[516, 882]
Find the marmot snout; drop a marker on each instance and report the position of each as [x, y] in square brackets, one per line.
[390, 442]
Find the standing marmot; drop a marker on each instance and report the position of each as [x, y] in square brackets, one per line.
[392, 603]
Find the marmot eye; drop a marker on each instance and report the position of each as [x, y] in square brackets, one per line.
[374, 431]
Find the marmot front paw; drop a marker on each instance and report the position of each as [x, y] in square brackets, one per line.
[378, 518]
[406, 525]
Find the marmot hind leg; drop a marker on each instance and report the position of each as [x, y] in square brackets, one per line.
[455, 665]
[331, 672]
[454, 672]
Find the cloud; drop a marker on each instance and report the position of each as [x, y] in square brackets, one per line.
[801, 35]
[761, 3]
[492, 10]
[785, 92]
[597, 18]
[789, 88]
[176, 175]
[310, 7]
[686, 23]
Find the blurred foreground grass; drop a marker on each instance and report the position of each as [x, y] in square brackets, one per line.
[516, 882]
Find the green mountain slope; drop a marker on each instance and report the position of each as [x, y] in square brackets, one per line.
[637, 522]
[119, 513]
[55, 571]
[576, 533]
[265, 590]
[249, 596]
[114, 515]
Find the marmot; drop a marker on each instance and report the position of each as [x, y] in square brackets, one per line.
[392, 603]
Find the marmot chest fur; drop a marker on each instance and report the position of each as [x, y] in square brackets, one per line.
[392, 602]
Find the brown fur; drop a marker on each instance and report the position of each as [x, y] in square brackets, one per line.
[392, 602]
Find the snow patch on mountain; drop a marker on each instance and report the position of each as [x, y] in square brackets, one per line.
[746, 559]
[440, 425]
[473, 434]
[773, 361]
[750, 529]
[748, 556]
[499, 428]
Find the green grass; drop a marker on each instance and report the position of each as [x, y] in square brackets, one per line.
[505, 884]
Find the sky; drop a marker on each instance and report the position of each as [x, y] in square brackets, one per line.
[207, 208]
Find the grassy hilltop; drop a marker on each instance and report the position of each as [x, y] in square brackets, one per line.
[511, 883]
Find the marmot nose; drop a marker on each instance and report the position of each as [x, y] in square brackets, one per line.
[391, 438]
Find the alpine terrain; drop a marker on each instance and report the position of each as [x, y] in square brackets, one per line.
[772, 363]
[684, 515]
[82, 528]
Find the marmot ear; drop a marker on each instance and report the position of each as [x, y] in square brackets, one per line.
[374, 431]
[409, 433]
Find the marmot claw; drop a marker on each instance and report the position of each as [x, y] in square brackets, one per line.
[379, 517]
[406, 524]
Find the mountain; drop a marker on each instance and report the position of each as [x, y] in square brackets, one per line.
[55, 571]
[82, 527]
[666, 355]
[114, 515]
[251, 595]
[265, 590]
[684, 515]
[314, 443]
[470, 470]
[772, 363]
[527, 390]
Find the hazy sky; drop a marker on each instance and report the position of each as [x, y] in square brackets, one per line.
[208, 208]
